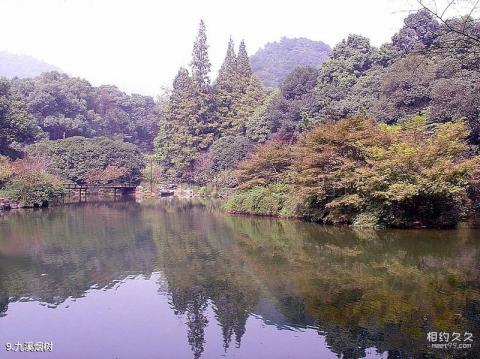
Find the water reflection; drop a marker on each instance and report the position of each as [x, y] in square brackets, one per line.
[267, 285]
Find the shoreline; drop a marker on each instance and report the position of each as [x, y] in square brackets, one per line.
[472, 221]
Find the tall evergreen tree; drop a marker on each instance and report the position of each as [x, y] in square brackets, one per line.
[237, 91]
[200, 63]
[251, 93]
[244, 69]
[189, 125]
[182, 133]
[205, 124]
[229, 66]
[226, 90]
[251, 98]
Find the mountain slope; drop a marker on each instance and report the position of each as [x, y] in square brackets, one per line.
[276, 60]
[22, 66]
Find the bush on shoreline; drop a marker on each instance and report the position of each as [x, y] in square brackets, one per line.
[34, 189]
[359, 172]
[27, 183]
[6, 170]
[271, 200]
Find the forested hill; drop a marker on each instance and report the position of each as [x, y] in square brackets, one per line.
[54, 106]
[22, 66]
[276, 60]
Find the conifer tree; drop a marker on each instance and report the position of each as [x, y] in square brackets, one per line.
[205, 124]
[182, 134]
[226, 90]
[189, 125]
[200, 62]
[237, 91]
[229, 66]
[251, 93]
[244, 69]
[252, 97]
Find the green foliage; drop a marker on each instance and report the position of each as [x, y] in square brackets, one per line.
[16, 124]
[228, 151]
[427, 68]
[251, 96]
[76, 158]
[197, 114]
[237, 92]
[405, 88]
[421, 31]
[411, 176]
[259, 126]
[131, 118]
[34, 188]
[366, 220]
[6, 170]
[227, 92]
[438, 86]
[189, 124]
[200, 63]
[356, 171]
[65, 106]
[270, 200]
[350, 61]
[185, 132]
[214, 168]
[243, 67]
[294, 110]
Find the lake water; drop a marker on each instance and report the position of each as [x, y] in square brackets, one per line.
[181, 279]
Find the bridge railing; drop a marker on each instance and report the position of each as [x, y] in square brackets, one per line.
[75, 186]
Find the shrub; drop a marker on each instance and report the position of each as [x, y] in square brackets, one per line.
[271, 200]
[366, 220]
[6, 170]
[410, 174]
[32, 189]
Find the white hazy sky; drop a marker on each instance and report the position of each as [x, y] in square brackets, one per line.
[139, 45]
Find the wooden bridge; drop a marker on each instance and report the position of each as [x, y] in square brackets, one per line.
[83, 189]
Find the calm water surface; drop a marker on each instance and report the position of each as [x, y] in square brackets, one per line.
[171, 279]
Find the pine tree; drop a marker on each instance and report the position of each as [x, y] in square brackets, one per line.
[252, 97]
[229, 66]
[251, 93]
[226, 90]
[182, 134]
[200, 62]
[237, 91]
[244, 69]
[189, 125]
[205, 125]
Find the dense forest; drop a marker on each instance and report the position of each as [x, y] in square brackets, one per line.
[374, 136]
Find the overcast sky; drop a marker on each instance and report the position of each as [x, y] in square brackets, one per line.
[139, 45]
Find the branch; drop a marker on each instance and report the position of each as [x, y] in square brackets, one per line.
[446, 23]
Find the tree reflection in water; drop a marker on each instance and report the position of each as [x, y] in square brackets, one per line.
[358, 289]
